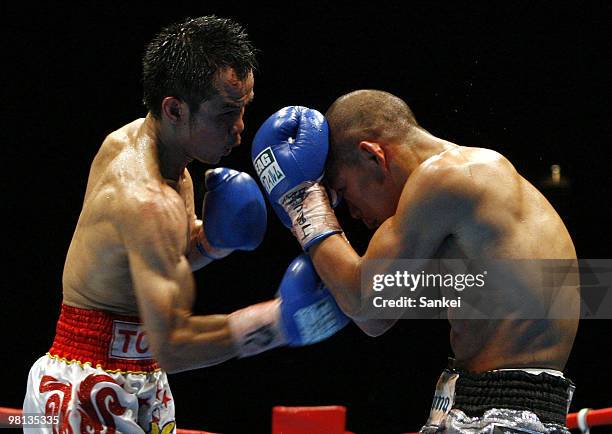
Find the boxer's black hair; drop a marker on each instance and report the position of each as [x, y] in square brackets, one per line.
[363, 115]
[182, 60]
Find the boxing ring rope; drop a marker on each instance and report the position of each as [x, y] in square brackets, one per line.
[587, 418]
[332, 420]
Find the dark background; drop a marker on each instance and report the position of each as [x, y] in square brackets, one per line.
[530, 81]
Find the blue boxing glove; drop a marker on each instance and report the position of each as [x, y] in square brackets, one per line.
[309, 313]
[234, 212]
[304, 313]
[289, 153]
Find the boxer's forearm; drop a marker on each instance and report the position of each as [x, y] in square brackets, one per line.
[339, 266]
[199, 342]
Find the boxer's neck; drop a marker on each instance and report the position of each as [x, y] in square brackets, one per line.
[171, 157]
[418, 148]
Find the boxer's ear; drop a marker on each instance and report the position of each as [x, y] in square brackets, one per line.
[374, 152]
[174, 109]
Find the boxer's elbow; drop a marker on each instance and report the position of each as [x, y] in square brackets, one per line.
[168, 356]
[167, 363]
[364, 310]
[375, 328]
[355, 305]
[351, 307]
[200, 343]
[347, 292]
[168, 348]
[172, 361]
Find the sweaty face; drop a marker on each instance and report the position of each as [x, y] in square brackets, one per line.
[368, 195]
[215, 129]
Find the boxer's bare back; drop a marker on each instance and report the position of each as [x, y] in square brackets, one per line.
[511, 219]
[460, 202]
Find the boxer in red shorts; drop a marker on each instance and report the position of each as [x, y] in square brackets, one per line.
[128, 287]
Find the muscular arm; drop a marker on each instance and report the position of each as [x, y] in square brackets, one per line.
[429, 209]
[154, 231]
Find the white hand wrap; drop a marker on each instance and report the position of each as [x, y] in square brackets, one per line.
[311, 213]
[257, 328]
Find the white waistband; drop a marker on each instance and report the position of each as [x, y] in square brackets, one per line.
[535, 371]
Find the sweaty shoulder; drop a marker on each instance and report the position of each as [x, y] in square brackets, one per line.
[463, 187]
[125, 183]
[115, 159]
[465, 171]
[153, 217]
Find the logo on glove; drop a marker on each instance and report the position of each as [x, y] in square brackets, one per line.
[317, 321]
[268, 170]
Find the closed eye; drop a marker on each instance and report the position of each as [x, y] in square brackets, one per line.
[230, 113]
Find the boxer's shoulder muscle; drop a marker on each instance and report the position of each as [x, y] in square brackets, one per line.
[442, 180]
[154, 229]
[114, 146]
[523, 222]
[156, 213]
[125, 172]
[435, 200]
[467, 170]
[141, 201]
[507, 214]
[472, 179]
[124, 195]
